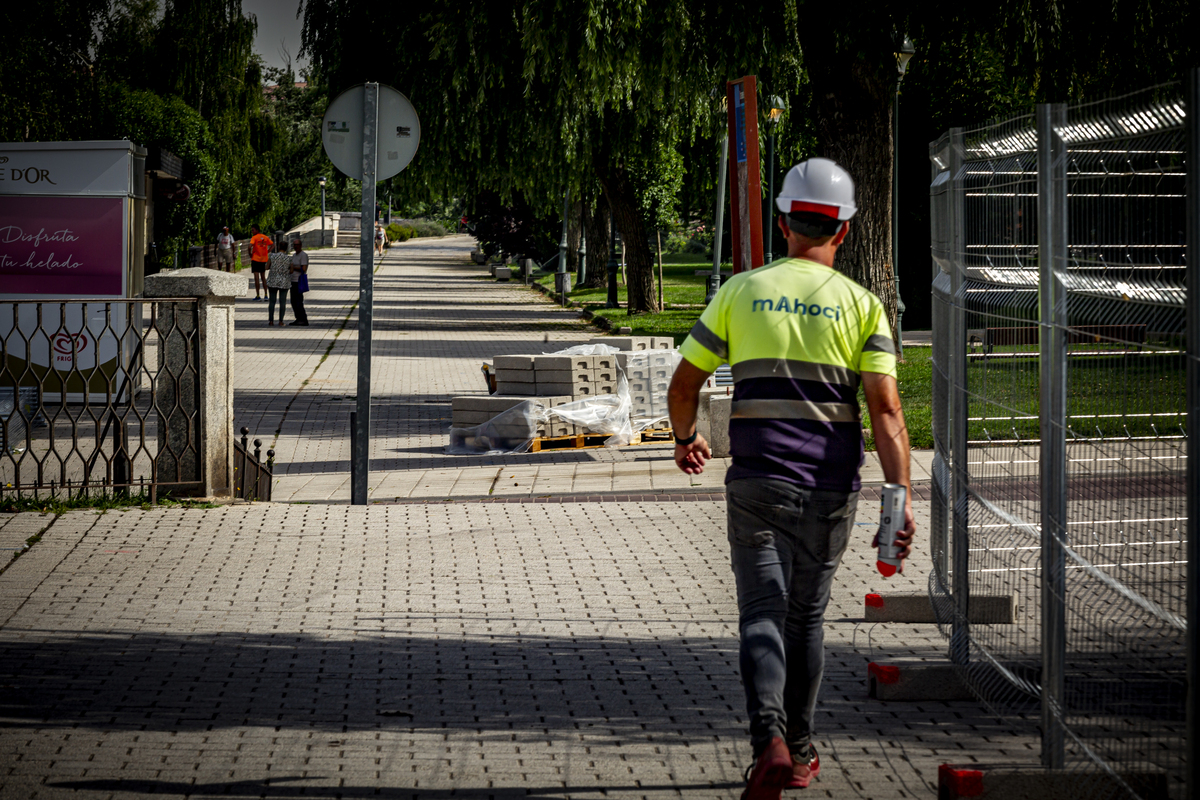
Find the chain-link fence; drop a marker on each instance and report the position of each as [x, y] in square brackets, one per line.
[1061, 402]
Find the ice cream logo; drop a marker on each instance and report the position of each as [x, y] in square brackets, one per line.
[67, 346]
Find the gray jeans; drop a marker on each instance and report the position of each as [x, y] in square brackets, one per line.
[786, 544]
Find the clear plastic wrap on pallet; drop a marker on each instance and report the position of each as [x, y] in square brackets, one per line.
[586, 350]
[640, 402]
[604, 413]
[511, 431]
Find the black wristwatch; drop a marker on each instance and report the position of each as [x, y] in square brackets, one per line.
[687, 441]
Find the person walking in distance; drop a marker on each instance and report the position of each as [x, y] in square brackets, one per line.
[380, 237]
[279, 281]
[225, 249]
[800, 338]
[260, 252]
[299, 269]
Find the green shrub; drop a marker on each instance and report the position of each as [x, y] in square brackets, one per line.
[692, 242]
[425, 227]
[399, 233]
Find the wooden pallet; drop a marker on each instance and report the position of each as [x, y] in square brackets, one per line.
[584, 441]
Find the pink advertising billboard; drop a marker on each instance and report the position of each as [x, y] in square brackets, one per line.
[62, 246]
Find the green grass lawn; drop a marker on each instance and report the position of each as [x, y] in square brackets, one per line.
[1107, 396]
[915, 378]
[681, 286]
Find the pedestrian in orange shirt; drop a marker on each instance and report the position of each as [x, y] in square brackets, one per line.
[260, 254]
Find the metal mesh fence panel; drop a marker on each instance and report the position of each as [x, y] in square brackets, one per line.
[1125, 538]
[1060, 409]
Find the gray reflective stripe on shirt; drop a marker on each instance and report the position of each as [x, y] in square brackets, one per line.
[799, 370]
[879, 343]
[709, 340]
[794, 409]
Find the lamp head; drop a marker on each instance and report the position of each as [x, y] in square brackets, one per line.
[321, 180]
[775, 108]
[904, 52]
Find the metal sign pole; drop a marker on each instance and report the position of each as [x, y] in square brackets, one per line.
[360, 469]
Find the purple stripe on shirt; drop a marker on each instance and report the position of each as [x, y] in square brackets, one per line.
[819, 455]
[794, 389]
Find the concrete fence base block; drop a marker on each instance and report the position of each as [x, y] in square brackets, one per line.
[1012, 782]
[915, 680]
[503, 273]
[985, 609]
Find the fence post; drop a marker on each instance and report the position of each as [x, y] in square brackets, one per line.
[1052, 339]
[1193, 425]
[215, 292]
[960, 648]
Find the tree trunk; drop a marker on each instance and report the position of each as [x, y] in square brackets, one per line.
[596, 224]
[635, 237]
[573, 236]
[851, 111]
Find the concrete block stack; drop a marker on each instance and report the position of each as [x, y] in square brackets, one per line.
[576, 377]
[649, 375]
[467, 412]
[555, 380]
[636, 343]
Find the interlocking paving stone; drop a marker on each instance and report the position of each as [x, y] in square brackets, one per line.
[578, 649]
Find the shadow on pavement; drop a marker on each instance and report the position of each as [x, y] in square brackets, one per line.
[277, 787]
[541, 684]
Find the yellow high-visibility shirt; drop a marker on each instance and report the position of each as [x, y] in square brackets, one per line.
[796, 335]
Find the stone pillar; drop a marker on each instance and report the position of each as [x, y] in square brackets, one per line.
[216, 291]
[712, 419]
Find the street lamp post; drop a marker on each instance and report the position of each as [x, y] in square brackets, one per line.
[562, 250]
[904, 53]
[613, 264]
[714, 280]
[321, 180]
[776, 108]
[582, 276]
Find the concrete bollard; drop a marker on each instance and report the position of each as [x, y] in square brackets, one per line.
[985, 609]
[1027, 782]
[212, 474]
[503, 273]
[916, 680]
[719, 408]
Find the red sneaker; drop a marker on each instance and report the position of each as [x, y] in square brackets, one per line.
[804, 771]
[770, 772]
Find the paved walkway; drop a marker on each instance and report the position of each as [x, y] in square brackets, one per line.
[501, 647]
[436, 321]
[476, 650]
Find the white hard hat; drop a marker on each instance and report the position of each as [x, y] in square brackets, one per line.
[820, 186]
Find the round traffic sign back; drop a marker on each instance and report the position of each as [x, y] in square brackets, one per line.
[397, 138]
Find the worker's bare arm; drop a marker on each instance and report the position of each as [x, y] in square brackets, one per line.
[891, 442]
[683, 400]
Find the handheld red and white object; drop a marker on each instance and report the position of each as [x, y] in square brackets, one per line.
[891, 521]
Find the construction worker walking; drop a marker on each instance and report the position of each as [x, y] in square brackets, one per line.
[800, 338]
